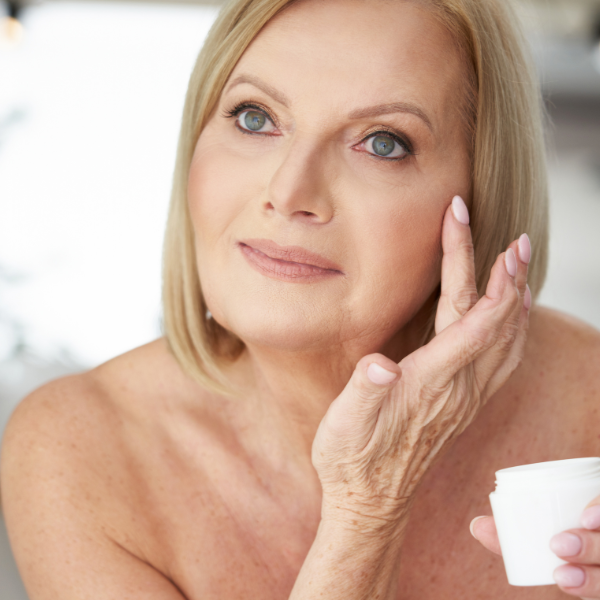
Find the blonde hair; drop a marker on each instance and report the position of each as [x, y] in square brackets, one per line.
[509, 184]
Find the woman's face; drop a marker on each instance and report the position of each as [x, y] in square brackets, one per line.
[338, 134]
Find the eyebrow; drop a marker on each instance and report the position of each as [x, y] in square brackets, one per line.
[361, 113]
[261, 85]
[386, 109]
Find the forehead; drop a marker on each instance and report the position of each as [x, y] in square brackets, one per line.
[356, 52]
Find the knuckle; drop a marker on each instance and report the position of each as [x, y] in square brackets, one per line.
[480, 337]
[465, 246]
[507, 337]
[363, 391]
[462, 300]
[514, 297]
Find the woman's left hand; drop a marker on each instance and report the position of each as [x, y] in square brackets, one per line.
[580, 547]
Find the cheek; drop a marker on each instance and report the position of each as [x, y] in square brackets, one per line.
[223, 182]
[214, 202]
[407, 225]
[406, 254]
[405, 221]
[398, 246]
[213, 193]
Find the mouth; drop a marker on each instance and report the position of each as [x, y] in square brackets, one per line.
[290, 263]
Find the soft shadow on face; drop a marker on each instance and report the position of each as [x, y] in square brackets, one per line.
[318, 187]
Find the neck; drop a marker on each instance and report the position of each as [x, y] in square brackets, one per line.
[286, 394]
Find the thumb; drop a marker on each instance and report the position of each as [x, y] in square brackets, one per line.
[483, 529]
[354, 412]
[590, 517]
[371, 381]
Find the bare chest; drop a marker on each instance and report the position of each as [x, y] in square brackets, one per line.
[217, 530]
[238, 541]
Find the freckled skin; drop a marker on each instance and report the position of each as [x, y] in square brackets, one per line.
[171, 492]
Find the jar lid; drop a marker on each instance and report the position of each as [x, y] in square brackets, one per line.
[549, 474]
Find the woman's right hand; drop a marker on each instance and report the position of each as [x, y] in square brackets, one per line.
[382, 433]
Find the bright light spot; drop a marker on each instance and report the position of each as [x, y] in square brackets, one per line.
[11, 30]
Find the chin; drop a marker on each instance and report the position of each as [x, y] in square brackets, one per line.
[288, 328]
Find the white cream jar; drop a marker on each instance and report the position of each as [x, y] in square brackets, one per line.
[531, 504]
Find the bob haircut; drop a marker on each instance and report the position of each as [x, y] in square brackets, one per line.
[504, 116]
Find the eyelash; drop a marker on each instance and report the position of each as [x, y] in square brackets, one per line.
[240, 107]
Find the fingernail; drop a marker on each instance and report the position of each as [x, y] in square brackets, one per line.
[566, 544]
[472, 525]
[379, 375]
[460, 211]
[590, 518]
[569, 576]
[510, 260]
[527, 297]
[524, 246]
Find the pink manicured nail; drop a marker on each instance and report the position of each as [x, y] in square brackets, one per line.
[524, 246]
[590, 518]
[527, 297]
[380, 375]
[510, 260]
[473, 524]
[569, 576]
[460, 211]
[566, 544]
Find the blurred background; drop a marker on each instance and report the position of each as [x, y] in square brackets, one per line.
[91, 95]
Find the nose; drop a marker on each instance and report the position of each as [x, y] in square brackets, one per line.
[300, 187]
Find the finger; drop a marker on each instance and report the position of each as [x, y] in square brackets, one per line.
[353, 413]
[519, 261]
[459, 287]
[510, 346]
[577, 546]
[462, 341]
[578, 580]
[522, 254]
[522, 250]
[590, 518]
[490, 384]
[483, 529]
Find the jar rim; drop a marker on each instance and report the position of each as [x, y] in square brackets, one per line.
[551, 473]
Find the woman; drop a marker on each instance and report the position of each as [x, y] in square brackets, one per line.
[350, 349]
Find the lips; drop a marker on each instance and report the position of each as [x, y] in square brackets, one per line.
[287, 262]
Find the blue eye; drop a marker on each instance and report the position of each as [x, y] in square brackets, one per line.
[254, 120]
[385, 146]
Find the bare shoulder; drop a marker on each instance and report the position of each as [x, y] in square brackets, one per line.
[70, 416]
[558, 381]
[84, 429]
[566, 345]
[67, 467]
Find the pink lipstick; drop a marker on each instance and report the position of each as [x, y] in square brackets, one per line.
[287, 263]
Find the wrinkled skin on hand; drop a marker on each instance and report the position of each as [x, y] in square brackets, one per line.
[383, 432]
